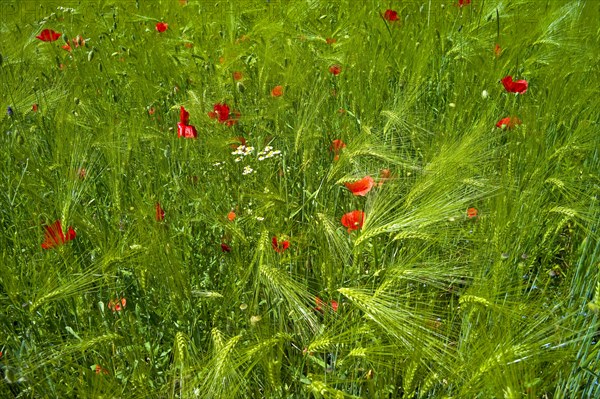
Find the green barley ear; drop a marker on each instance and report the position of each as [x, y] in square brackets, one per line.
[180, 348]
[594, 304]
[55, 290]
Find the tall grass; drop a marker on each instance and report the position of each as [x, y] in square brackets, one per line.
[423, 301]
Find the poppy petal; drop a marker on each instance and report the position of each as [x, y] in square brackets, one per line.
[361, 187]
[390, 15]
[353, 220]
[335, 69]
[161, 26]
[48, 35]
[520, 86]
[277, 91]
[334, 306]
[472, 213]
[336, 146]
[509, 122]
[184, 116]
[160, 213]
[190, 132]
[54, 235]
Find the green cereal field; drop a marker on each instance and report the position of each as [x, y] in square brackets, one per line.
[300, 199]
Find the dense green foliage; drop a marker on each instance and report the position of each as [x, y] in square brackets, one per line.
[424, 301]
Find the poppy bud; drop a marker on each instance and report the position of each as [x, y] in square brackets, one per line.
[9, 111]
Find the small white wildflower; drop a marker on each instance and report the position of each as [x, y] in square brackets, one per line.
[247, 170]
[260, 218]
[261, 158]
[238, 159]
[484, 94]
[135, 247]
[452, 105]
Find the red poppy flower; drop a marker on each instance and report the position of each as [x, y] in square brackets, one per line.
[225, 247]
[220, 112]
[161, 26]
[183, 129]
[497, 50]
[54, 235]
[390, 15]
[116, 305]
[237, 75]
[48, 35]
[520, 86]
[67, 47]
[509, 122]
[334, 306]
[360, 187]
[353, 220]
[160, 213]
[277, 91]
[472, 213]
[330, 40]
[231, 216]
[335, 69]
[34, 107]
[280, 246]
[462, 3]
[336, 146]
